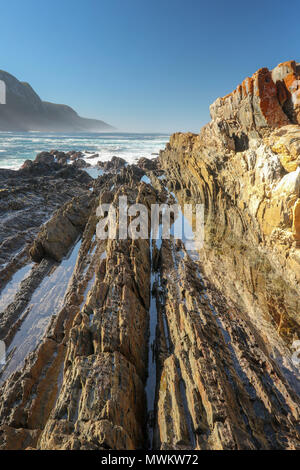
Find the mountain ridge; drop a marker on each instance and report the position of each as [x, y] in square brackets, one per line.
[26, 111]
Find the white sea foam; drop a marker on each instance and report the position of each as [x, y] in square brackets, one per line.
[17, 147]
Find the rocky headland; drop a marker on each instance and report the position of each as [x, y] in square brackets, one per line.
[141, 344]
[25, 111]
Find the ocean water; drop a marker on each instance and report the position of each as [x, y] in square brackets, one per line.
[16, 147]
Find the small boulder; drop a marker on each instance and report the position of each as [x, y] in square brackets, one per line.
[44, 157]
[80, 163]
[116, 163]
[147, 164]
[27, 165]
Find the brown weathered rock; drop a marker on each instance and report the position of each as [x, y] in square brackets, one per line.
[220, 362]
[80, 163]
[147, 165]
[59, 234]
[296, 221]
[115, 164]
[261, 103]
[214, 329]
[44, 157]
[94, 397]
[285, 142]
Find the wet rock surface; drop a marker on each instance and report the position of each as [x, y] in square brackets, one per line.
[115, 164]
[141, 343]
[28, 198]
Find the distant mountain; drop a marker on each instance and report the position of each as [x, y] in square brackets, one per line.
[25, 111]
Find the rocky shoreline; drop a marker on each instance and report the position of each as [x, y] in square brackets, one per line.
[139, 344]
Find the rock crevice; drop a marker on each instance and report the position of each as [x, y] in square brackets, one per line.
[219, 323]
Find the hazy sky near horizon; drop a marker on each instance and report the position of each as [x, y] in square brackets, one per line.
[144, 65]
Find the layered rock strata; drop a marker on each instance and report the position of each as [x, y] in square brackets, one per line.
[83, 385]
[219, 324]
[243, 167]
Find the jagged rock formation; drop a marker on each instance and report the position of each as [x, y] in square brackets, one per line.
[148, 344]
[267, 100]
[28, 198]
[25, 111]
[244, 167]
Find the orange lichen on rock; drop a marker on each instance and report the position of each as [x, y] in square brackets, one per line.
[247, 87]
[287, 78]
[269, 104]
[266, 101]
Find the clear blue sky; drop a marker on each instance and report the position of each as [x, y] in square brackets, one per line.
[144, 65]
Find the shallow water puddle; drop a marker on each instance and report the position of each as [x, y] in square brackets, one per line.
[12, 287]
[89, 286]
[94, 172]
[153, 314]
[146, 180]
[46, 301]
[151, 380]
[187, 232]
